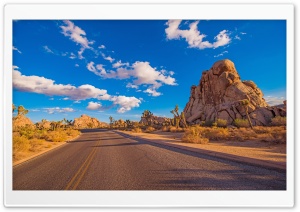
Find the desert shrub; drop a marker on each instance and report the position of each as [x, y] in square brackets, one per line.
[241, 123]
[174, 129]
[35, 143]
[242, 134]
[207, 123]
[27, 132]
[279, 136]
[221, 123]
[20, 143]
[136, 130]
[72, 132]
[194, 135]
[216, 133]
[261, 129]
[165, 129]
[149, 129]
[278, 121]
[56, 136]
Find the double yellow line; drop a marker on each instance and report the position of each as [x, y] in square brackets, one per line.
[76, 179]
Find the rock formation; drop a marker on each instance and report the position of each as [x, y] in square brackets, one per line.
[85, 121]
[155, 120]
[220, 93]
[44, 124]
[21, 121]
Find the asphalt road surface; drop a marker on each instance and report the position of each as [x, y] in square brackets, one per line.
[106, 160]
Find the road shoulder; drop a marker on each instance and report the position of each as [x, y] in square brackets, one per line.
[266, 159]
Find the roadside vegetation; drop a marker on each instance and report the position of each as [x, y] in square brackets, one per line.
[34, 138]
[203, 133]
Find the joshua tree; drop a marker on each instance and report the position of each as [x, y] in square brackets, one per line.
[53, 125]
[111, 120]
[147, 115]
[178, 118]
[128, 123]
[245, 103]
[13, 108]
[182, 117]
[22, 110]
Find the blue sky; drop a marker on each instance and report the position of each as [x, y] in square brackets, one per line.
[62, 69]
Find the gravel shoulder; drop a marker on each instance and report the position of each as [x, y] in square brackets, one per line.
[249, 149]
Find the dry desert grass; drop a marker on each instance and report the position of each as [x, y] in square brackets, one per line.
[30, 141]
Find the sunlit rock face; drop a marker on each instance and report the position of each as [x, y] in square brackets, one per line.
[220, 93]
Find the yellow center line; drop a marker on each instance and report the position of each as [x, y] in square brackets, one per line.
[86, 162]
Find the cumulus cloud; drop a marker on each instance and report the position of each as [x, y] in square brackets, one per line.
[141, 73]
[77, 35]
[129, 85]
[119, 64]
[53, 110]
[48, 87]
[193, 36]
[126, 103]
[152, 92]
[16, 49]
[94, 106]
[101, 47]
[109, 58]
[42, 85]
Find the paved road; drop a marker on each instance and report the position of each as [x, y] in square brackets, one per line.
[105, 160]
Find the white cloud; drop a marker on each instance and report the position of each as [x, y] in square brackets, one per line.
[53, 110]
[47, 49]
[243, 33]
[129, 85]
[77, 102]
[119, 64]
[48, 87]
[66, 98]
[77, 35]
[16, 49]
[152, 92]
[193, 36]
[237, 37]
[221, 54]
[42, 85]
[109, 58]
[76, 65]
[125, 103]
[72, 56]
[274, 100]
[142, 73]
[94, 106]
[101, 47]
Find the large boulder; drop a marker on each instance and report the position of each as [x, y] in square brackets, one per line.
[220, 93]
[20, 121]
[85, 121]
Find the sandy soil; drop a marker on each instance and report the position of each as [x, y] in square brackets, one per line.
[252, 149]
